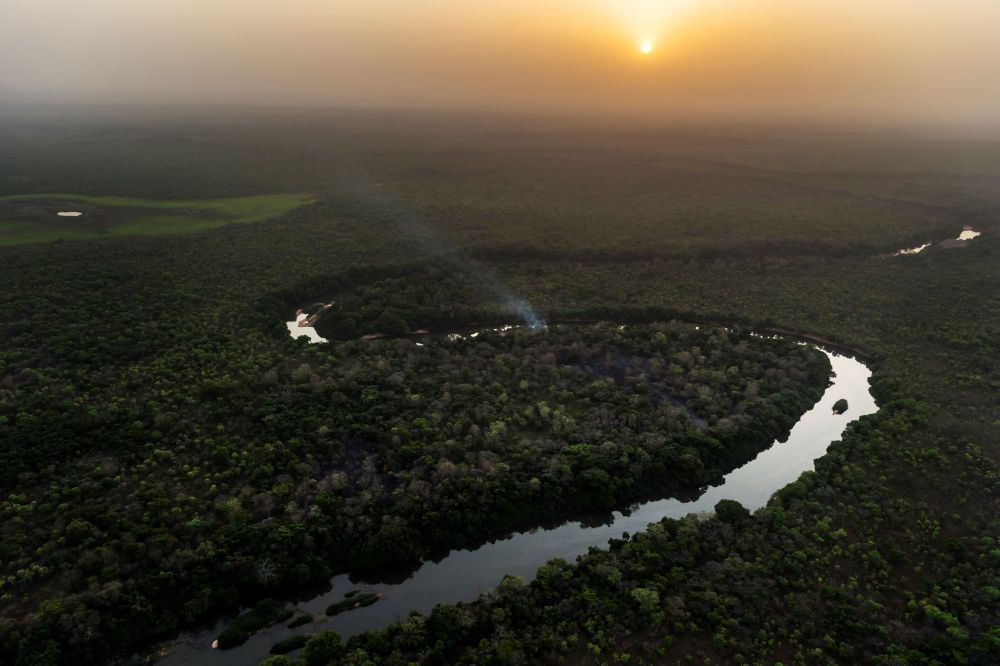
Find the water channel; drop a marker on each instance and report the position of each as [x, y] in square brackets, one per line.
[461, 575]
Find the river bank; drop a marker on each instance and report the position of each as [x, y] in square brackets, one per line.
[461, 575]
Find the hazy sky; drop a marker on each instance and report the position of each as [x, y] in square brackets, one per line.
[923, 60]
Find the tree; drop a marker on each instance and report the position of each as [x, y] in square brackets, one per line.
[648, 600]
[323, 649]
[731, 512]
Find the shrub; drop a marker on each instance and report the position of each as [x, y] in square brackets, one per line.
[291, 643]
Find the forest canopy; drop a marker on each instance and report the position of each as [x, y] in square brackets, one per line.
[169, 454]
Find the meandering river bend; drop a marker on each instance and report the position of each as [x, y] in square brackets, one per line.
[462, 575]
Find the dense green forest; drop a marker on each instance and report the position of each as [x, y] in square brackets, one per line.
[366, 453]
[169, 453]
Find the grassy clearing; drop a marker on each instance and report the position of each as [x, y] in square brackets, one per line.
[108, 216]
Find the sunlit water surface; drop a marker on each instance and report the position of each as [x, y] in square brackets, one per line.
[461, 575]
[967, 234]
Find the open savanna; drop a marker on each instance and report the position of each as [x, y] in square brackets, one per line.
[34, 218]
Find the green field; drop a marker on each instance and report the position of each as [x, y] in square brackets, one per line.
[32, 218]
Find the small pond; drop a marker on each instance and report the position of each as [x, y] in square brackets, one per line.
[300, 328]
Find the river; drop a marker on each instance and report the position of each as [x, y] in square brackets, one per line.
[462, 575]
[967, 234]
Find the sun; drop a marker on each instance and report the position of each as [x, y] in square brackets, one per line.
[646, 47]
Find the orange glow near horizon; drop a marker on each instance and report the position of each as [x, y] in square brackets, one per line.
[894, 57]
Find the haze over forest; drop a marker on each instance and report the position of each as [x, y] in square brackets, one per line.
[913, 61]
[375, 332]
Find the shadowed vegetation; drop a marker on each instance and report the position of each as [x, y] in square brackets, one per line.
[168, 453]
